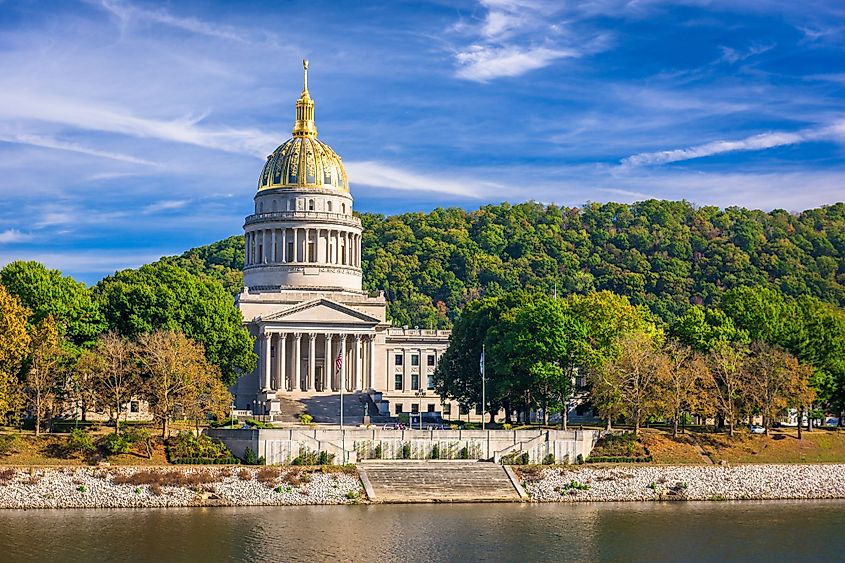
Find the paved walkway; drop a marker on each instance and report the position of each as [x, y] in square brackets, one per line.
[437, 481]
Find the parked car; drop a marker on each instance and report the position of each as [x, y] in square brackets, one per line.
[756, 429]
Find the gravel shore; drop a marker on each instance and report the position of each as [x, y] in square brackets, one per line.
[213, 486]
[639, 483]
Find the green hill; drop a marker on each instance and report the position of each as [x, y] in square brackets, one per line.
[663, 254]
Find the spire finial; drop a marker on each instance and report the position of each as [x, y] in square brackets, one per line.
[304, 126]
[305, 71]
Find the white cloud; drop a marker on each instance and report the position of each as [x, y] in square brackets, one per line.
[380, 175]
[483, 63]
[166, 205]
[753, 143]
[51, 143]
[13, 235]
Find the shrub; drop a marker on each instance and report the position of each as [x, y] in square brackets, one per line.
[406, 451]
[435, 451]
[470, 426]
[377, 452]
[80, 441]
[7, 475]
[576, 486]
[352, 495]
[507, 426]
[549, 459]
[81, 488]
[8, 444]
[251, 459]
[155, 489]
[305, 418]
[187, 445]
[116, 444]
[257, 423]
[267, 475]
[579, 459]
[463, 453]
[278, 489]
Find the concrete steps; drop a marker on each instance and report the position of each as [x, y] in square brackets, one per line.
[324, 407]
[438, 481]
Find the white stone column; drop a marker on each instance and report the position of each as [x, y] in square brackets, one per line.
[371, 361]
[312, 363]
[295, 245]
[358, 383]
[297, 361]
[344, 364]
[265, 361]
[328, 369]
[284, 257]
[281, 358]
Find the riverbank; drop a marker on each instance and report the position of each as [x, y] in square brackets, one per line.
[124, 487]
[650, 483]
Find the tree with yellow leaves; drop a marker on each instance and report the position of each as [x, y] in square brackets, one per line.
[43, 378]
[14, 347]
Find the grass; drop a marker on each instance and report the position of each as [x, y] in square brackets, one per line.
[23, 448]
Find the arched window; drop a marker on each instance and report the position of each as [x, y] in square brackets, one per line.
[329, 206]
[310, 205]
[343, 208]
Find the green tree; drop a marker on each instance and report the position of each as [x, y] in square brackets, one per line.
[163, 296]
[43, 378]
[48, 293]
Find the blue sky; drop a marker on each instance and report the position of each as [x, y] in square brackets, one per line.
[131, 130]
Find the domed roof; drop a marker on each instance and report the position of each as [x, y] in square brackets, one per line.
[304, 161]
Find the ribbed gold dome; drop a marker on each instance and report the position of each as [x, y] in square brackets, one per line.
[303, 161]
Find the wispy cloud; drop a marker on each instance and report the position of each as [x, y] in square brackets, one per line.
[126, 12]
[13, 235]
[754, 143]
[51, 143]
[166, 205]
[483, 63]
[380, 175]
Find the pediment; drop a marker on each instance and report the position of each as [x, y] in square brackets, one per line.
[323, 311]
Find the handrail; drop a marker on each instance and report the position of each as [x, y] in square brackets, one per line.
[521, 446]
[338, 217]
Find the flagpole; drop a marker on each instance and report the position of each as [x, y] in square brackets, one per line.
[483, 390]
[342, 432]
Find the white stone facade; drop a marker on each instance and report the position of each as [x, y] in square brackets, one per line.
[303, 301]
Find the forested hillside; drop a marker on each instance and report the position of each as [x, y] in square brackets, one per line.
[662, 254]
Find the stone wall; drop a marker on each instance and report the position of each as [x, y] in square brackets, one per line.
[279, 446]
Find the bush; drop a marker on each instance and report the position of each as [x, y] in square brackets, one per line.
[305, 418]
[507, 426]
[257, 423]
[80, 441]
[8, 444]
[435, 451]
[188, 446]
[377, 452]
[115, 444]
[205, 461]
[463, 453]
[549, 459]
[579, 459]
[250, 458]
[516, 459]
[406, 451]
[308, 457]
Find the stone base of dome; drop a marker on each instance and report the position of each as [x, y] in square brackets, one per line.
[303, 275]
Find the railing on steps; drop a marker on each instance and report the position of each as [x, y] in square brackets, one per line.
[521, 447]
[330, 448]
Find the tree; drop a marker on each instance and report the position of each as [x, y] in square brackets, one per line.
[776, 381]
[175, 369]
[678, 386]
[627, 384]
[163, 296]
[114, 376]
[706, 328]
[42, 377]
[726, 379]
[14, 347]
[48, 293]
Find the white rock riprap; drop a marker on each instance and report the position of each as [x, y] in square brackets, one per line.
[96, 488]
[638, 483]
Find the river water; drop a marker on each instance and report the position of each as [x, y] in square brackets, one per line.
[694, 531]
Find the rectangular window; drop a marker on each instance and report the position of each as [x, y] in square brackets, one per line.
[464, 409]
[134, 406]
[431, 359]
[477, 409]
[431, 407]
[398, 408]
[415, 408]
[429, 384]
[397, 382]
[398, 359]
[447, 409]
[415, 359]
[415, 381]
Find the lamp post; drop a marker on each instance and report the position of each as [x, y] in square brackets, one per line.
[483, 390]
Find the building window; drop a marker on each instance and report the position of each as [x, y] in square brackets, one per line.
[310, 205]
[429, 384]
[464, 409]
[398, 408]
[134, 406]
[343, 208]
[415, 408]
[398, 359]
[431, 359]
[447, 409]
[478, 409]
[329, 206]
[415, 381]
[431, 407]
[415, 359]
[397, 382]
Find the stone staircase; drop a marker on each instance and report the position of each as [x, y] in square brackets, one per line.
[325, 408]
[437, 481]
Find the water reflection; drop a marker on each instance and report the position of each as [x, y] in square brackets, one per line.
[488, 532]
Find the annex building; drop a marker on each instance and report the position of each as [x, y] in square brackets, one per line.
[316, 330]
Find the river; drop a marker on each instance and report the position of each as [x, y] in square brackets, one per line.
[694, 531]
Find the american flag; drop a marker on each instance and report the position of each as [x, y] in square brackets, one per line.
[338, 362]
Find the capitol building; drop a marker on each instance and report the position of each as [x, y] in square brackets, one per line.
[316, 330]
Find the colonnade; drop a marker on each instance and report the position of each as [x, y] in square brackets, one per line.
[305, 361]
[303, 245]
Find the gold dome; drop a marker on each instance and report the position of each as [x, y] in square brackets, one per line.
[304, 161]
